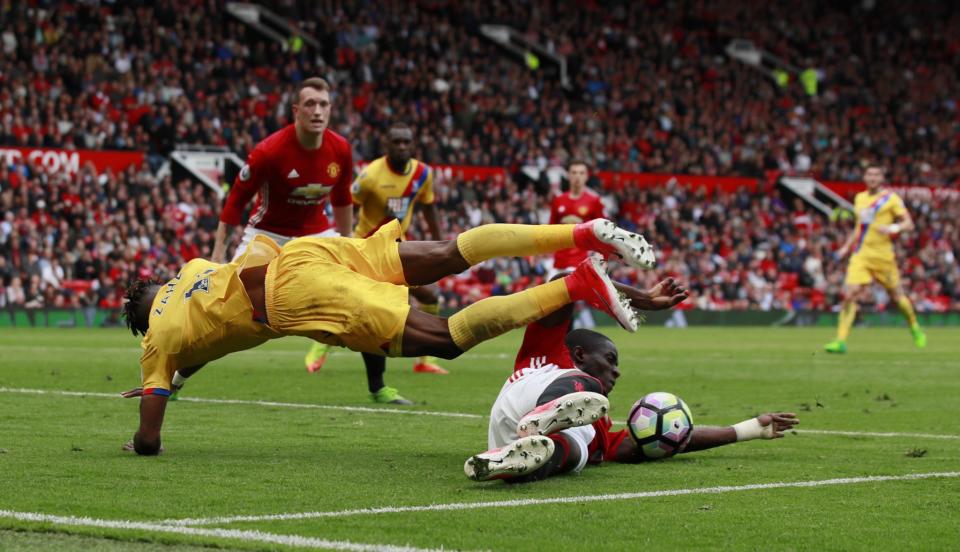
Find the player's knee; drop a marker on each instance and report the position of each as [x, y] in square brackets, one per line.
[447, 350]
[426, 295]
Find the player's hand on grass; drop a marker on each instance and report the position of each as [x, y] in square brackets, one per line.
[775, 423]
[132, 394]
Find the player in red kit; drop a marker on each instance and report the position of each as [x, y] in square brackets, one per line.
[294, 174]
[577, 205]
[540, 424]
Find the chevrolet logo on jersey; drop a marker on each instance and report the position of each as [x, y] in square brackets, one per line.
[312, 191]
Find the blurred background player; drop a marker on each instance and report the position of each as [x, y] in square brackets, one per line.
[880, 215]
[576, 205]
[389, 188]
[565, 399]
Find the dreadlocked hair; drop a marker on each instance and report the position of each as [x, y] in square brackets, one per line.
[136, 322]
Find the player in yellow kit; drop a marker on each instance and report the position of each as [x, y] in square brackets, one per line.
[353, 293]
[881, 215]
[390, 188]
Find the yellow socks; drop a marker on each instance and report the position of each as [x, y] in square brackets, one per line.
[513, 240]
[847, 315]
[493, 316]
[906, 307]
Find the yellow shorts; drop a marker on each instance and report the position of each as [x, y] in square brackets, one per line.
[865, 270]
[341, 291]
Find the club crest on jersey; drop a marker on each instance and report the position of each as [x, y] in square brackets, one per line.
[245, 173]
[583, 211]
[201, 284]
[311, 191]
[333, 170]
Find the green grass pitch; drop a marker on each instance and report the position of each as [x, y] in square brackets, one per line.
[60, 454]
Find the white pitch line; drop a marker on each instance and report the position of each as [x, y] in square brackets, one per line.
[558, 500]
[252, 403]
[234, 534]
[878, 434]
[443, 414]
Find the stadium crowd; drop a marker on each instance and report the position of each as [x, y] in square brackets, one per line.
[653, 92]
[72, 242]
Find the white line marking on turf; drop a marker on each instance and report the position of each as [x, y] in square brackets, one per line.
[235, 534]
[877, 434]
[253, 403]
[557, 500]
[443, 414]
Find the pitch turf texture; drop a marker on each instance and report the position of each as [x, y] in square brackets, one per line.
[60, 454]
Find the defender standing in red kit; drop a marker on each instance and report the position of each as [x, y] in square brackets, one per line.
[294, 173]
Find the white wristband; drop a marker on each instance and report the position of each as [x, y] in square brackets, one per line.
[894, 228]
[178, 380]
[751, 429]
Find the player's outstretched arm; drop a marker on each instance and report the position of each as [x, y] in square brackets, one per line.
[667, 294]
[765, 426]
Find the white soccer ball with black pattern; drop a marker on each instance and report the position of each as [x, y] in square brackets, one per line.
[661, 424]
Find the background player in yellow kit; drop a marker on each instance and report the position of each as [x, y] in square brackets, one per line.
[353, 293]
[390, 188]
[881, 215]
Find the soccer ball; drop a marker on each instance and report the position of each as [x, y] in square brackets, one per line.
[660, 423]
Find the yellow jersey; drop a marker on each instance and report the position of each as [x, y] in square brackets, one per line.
[384, 195]
[882, 208]
[202, 314]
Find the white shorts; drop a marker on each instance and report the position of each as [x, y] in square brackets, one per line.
[519, 396]
[249, 232]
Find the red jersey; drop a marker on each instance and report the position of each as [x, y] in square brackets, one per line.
[544, 345]
[292, 184]
[568, 210]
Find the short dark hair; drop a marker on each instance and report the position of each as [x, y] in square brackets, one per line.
[576, 161]
[589, 340]
[874, 165]
[317, 83]
[136, 312]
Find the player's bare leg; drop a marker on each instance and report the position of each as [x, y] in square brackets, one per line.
[427, 301]
[848, 314]
[448, 338]
[425, 262]
[900, 299]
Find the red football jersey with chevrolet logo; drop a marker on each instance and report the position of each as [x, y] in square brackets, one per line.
[292, 184]
[566, 209]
